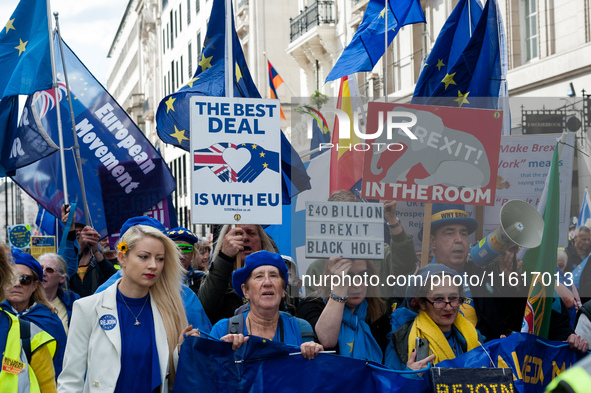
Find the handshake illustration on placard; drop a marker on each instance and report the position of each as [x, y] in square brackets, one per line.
[241, 163]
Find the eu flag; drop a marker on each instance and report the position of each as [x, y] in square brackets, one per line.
[461, 65]
[124, 174]
[24, 50]
[173, 112]
[367, 46]
[26, 68]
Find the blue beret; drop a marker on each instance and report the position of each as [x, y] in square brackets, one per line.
[254, 260]
[432, 269]
[141, 220]
[182, 234]
[22, 258]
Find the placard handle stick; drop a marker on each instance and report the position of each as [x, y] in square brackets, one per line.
[239, 255]
[426, 233]
[479, 215]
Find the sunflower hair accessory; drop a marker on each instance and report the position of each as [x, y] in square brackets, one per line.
[122, 246]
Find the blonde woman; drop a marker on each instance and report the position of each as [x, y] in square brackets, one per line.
[123, 339]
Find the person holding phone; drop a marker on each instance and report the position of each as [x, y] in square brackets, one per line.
[433, 318]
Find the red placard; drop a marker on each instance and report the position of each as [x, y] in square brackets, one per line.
[453, 160]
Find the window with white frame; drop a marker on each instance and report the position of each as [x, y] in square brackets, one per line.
[530, 35]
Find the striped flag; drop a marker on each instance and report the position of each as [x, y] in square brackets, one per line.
[346, 164]
[212, 158]
[274, 82]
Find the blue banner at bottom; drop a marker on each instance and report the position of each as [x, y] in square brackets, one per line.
[262, 365]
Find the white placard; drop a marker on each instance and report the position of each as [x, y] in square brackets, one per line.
[349, 229]
[524, 164]
[236, 151]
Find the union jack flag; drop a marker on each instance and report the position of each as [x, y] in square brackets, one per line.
[47, 98]
[212, 158]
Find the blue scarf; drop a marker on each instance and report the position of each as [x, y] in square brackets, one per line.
[355, 338]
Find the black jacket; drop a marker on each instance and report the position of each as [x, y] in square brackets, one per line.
[216, 294]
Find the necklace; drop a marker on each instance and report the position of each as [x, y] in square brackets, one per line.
[138, 315]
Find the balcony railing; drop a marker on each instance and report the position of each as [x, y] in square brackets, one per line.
[319, 13]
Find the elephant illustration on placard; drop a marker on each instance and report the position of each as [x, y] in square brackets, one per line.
[451, 157]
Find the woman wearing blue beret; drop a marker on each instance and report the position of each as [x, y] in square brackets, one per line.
[262, 281]
[26, 363]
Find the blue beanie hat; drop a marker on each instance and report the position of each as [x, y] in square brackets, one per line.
[141, 220]
[22, 258]
[182, 234]
[254, 260]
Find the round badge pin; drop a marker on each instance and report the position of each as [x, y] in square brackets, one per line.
[107, 322]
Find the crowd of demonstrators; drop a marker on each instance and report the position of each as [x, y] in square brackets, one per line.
[350, 318]
[399, 253]
[87, 266]
[433, 315]
[218, 297]
[578, 248]
[26, 300]
[55, 274]
[141, 313]
[32, 356]
[132, 325]
[262, 281]
[494, 310]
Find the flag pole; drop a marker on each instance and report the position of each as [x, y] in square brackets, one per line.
[229, 52]
[229, 80]
[386, 51]
[76, 146]
[469, 19]
[57, 106]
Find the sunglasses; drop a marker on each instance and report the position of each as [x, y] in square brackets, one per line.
[48, 269]
[25, 280]
[185, 248]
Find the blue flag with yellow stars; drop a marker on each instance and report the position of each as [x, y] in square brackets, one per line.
[367, 46]
[26, 68]
[173, 115]
[24, 50]
[464, 67]
[123, 173]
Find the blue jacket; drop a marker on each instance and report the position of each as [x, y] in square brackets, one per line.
[46, 320]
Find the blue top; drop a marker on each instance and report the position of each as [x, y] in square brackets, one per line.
[140, 369]
[291, 329]
[193, 308]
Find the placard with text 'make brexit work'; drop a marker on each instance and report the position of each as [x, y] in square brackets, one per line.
[236, 161]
